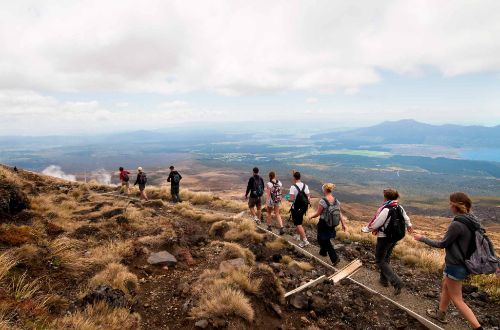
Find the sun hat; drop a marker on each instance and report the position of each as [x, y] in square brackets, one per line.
[139, 169]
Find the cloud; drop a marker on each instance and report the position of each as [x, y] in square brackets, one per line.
[236, 47]
[173, 104]
[311, 100]
[102, 176]
[57, 172]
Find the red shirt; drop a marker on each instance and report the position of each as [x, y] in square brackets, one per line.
[122, 174]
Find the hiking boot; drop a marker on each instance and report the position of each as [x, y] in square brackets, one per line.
[256, 219]
[397, 289]
[305, 243]
[270, 228]
[436, 314]
[282, 231]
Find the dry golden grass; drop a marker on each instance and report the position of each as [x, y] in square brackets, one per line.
[12, 235]
[223, 302]
[67, 253]
[22, 288]
[218, 228]
[229, 205]
[197, 198]
[112, 251]
[489, 283]
[277, 244]
[99, 317]
[234, 250]
[243, 230]
[7, 261]
[117, 276]
[290, 262]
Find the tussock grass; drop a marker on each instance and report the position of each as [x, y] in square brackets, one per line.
[99, 316]
[243, 230]
[218, 229]
[7, 261]
[184, 209]
[290, 262]
[12, 235]
[67, 253]
[110, 252]
[117, 276]
[229, 205]
[277, 244]
[22, 288]
[223, 302]
[234, 250]
[489, 284]
[197, 198]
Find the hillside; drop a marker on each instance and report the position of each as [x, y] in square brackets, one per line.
[82, 256]
[413, 132]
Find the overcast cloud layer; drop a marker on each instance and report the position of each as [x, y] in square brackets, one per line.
[53, 51]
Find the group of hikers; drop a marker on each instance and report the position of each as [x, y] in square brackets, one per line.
[389, 225]
[174, 178]
[467, 249]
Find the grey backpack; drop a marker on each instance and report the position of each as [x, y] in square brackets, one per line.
[331, 215]
[483, 259]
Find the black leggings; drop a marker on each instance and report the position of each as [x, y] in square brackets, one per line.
[383, 253]
[326, 247]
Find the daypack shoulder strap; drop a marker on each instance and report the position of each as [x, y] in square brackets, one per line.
[298, 189]
[327, 201]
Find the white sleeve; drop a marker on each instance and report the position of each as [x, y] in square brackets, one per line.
[306, 190]
[379, 222]
[293, 190]
[407, 218]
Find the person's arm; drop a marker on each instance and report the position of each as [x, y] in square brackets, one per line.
[292, 194]
[249, 187]
[409, 226]
[318, 211]
[136, 180]
[169, 177]
[180, 176]
[451, 236]
[380, 220]
[268, 192]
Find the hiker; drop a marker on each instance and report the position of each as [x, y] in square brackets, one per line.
[389, 224]
[255, 188]
[273, 198]
[300, 198]
[141, 181]
[457, 240]
[124, 179]
[175, 179]
[329, 218]
[15, 169]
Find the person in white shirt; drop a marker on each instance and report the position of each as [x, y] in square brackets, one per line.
[300, 198]
[385, 246]
[273, 197]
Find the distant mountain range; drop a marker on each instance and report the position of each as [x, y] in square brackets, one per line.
[413, 132]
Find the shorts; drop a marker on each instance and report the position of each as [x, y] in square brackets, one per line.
[455, 272]
[297, 217]
[142, 187]
[125, 184]
[254, 201]
[271, 203]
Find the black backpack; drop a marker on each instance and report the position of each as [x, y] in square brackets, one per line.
[125, 177]
[301, 202]
[142, 178]
[258, 186]
[331, 214]
[394, 227]
[176, 178]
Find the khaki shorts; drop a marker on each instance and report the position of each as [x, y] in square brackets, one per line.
[254, 201]
[125, 184]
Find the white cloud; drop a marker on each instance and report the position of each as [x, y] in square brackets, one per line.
[312, 100]
[173, 104]
[236, 46]
[57, 172]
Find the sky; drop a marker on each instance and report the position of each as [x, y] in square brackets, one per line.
[88, 67]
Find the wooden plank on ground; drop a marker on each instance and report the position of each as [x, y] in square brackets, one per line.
[346, 271]
[308, 284]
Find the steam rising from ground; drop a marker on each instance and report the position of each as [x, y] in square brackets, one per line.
[56, 171]
[102, 176]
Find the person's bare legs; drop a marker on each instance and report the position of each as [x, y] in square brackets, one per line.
[444, 300]
[454, 289]
[143, 195]
[269, 219]
[277, 215]
[301, 232]
[252, 211]
[259, 212]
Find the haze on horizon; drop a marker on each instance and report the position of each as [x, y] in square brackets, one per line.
[93, 67]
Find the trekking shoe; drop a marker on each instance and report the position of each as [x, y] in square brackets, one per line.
[436, 314]
[282, 231]
[305, 243]
[385, 284]
[256, 219]
[270, 228]
[397, 289]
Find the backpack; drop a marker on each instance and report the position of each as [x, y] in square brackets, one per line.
[395, 226]
[331, 215]
[142, 178]
[258, 186]
[301, 202]
[125, 177]
[480, 257]
[176, 178]
[276, 192]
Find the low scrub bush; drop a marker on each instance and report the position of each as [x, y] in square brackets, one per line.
[12, 235]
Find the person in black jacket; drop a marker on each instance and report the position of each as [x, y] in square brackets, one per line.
[175, 179]
[141, 181]
[255, 188]
[456, 242]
